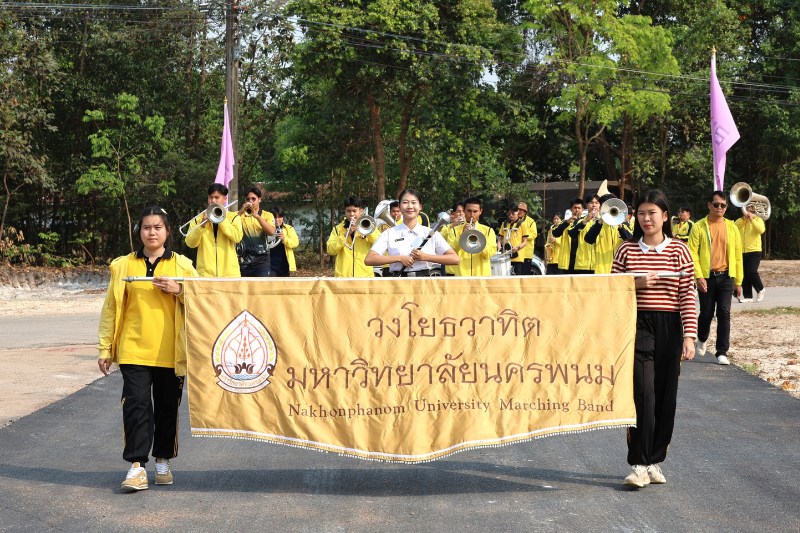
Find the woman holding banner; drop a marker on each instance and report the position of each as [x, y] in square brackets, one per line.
[404, 244]
[666, 326]
[142, 330]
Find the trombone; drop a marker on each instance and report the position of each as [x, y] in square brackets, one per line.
[472, 240]
[214, 212]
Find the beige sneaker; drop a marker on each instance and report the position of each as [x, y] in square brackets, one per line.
[163, 472]
[637, 478]
[136, 479]
[655, 473]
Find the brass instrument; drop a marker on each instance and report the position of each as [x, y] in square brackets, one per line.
[215, 213]
[613, 212]
[273, 240]
[249, 209]
[382, 215]
[742, 195]
[675, 220]
[365, 225]
[548, 247]
[472, 241]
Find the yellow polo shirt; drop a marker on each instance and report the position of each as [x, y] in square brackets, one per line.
[148, 322]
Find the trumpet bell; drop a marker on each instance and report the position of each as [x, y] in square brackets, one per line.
[614, 212]
[249, 209]
[472, 241]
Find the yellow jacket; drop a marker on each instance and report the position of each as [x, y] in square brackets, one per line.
[532, 234]
[585, 253]
[114, 308]
[605, 247]
[350, 263]
[700, 246]
[751, 233]
[445, 232]
[513, 234]
[681, 230]
[216, 257]
[289, 244]
[473, 264]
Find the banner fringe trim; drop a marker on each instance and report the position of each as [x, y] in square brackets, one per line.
[317, 448]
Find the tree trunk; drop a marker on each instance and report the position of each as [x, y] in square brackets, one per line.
[199, 103]
[130, 228]
[406, 153]
[664, 139]
[8, 199]
[376, 124]
[188, 75]
[581, 148]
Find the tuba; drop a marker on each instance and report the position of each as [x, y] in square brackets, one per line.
[742, 195]
[382, 215]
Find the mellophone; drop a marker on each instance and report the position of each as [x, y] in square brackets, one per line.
[131, 279]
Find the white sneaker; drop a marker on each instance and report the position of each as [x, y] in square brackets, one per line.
[722, 360]
[637, 478]
[700, 348]
[656, 475]
[760, 295]
[746, 300]
[135, 479]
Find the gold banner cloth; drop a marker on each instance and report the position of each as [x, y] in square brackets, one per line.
[409, 369]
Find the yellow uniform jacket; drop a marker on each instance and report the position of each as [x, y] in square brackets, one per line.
[513, 233]
[112, 315]
[216, 254]
[473, 264]
[700, 246]
[350, 263]
[751, 233]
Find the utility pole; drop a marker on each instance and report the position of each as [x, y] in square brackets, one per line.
[232, 55]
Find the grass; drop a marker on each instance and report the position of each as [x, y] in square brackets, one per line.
[752, 369]
[774, 311]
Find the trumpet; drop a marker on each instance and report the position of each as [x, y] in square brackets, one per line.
[249, 209]
[742, 195]
[215, 213]
[472, 241]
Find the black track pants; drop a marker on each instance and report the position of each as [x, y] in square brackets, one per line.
[656, 368]
[150, 424]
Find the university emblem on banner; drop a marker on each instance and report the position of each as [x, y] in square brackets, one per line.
[244, 355]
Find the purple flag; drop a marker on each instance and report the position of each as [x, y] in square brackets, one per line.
[723, 130]
[226, 158]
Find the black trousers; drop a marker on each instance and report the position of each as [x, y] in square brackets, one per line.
[553, 270]
[150, 424]
[656, 368]
[576, 271]
[752, 280]
[718, 296]
[260, 270]
[522, 268]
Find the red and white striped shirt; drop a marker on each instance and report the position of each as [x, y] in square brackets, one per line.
[668, 294]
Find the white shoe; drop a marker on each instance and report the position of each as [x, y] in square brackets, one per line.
[722, 360]
[746, 300]
[700, 348]
[760, 295]
[740, 300]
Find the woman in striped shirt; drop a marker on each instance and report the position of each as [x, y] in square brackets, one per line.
[666, 326]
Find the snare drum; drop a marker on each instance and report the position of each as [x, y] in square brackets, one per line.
[501, 265]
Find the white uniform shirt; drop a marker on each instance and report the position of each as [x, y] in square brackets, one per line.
[399, 239]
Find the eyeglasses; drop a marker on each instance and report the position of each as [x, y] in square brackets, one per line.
[719, 205]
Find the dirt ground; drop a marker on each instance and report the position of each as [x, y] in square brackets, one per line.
[767, 343]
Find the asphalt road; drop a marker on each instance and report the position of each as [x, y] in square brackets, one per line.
[44, 331]
[732, 466]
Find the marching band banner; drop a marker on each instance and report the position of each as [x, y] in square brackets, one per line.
[409, 369]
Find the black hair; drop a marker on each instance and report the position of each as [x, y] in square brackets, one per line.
[393, 204]
[217, 187]
[159, 212]
[717, 193]
[556, 215]
[685, 208]
[277, 211]
[512, 206]
[354, 201]
[254, 190]
[659, 199]
[607, 197]
[411, 192]
[457, 203]
[590, 197]
[473, 200]
[577, 201]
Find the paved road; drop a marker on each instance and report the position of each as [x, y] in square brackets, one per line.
[732, 466]
[43, 331]
[774, 297]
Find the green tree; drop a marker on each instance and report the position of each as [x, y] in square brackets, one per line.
[128, 151]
